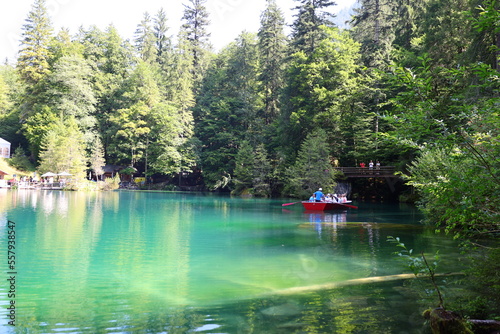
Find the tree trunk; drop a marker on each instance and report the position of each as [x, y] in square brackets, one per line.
[446, 322]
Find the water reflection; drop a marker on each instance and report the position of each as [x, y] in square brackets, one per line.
[148, 262]
[318, 219]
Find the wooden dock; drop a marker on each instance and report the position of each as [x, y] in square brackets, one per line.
[382, 171]
[386, 172]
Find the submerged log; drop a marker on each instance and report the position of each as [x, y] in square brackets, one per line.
[356, 281]
[485, 326]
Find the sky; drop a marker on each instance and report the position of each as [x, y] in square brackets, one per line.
[228, 17]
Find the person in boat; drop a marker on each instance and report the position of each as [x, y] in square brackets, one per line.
[318, 195]
[336, 198]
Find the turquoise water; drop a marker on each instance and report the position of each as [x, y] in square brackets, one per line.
[146, 262]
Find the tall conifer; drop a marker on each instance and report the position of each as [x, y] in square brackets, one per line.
[33, 60]
[145, 40]
[311, 15]
[163, 40]
[272, 45]
[373, 27]
[196, 21]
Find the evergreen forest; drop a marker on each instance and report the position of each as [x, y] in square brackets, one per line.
[412, 84]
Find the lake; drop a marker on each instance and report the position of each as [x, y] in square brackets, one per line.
[161, 262]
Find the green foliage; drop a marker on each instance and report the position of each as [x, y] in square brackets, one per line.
[243, 171]
[4, 97]
[457, 175]
[484, 282]
[128, 170]
[448, 32]
[228, 108]
[174, 150]
[328, 90]
[263, 176]
[457, 193]
[415, 263]
[71, 93]
[37, 126]
[374, 26]
[253, 171]
[311, 15]
[20, 161]
[148, 129]
[110, 183]
[97, 161]
[419, 265]
[272, 46]
[33, 60]
[312, 169]
[63, 150]
[10, 90]
[145, 40]
[194, 30]
[130, 130]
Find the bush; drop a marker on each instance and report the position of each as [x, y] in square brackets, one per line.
[312, 169]
[111, 183]
[456, 193]
[20, 161]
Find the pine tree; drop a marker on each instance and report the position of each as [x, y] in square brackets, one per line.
[262, 170]
[409, 15]
[163, 41]
[183, 79]
[97, 161]
[109, 58]
[33, 60]
[227, 105]
[196, 21]
[4, 97]
[448, 31]
[306, 31]
[373, 28]
[243, 85]
[243, 171]
[145, 40]
[312, 169]
[272, 46]
[129, 127]
[166, 57]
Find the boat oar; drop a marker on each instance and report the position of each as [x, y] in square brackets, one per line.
[289, 203]
[349, 206]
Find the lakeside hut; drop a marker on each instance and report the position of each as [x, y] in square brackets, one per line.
[4, 148]
[111, 171]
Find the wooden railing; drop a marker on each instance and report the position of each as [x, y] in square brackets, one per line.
[382, 171]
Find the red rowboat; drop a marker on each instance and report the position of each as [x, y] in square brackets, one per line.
[326, 206]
